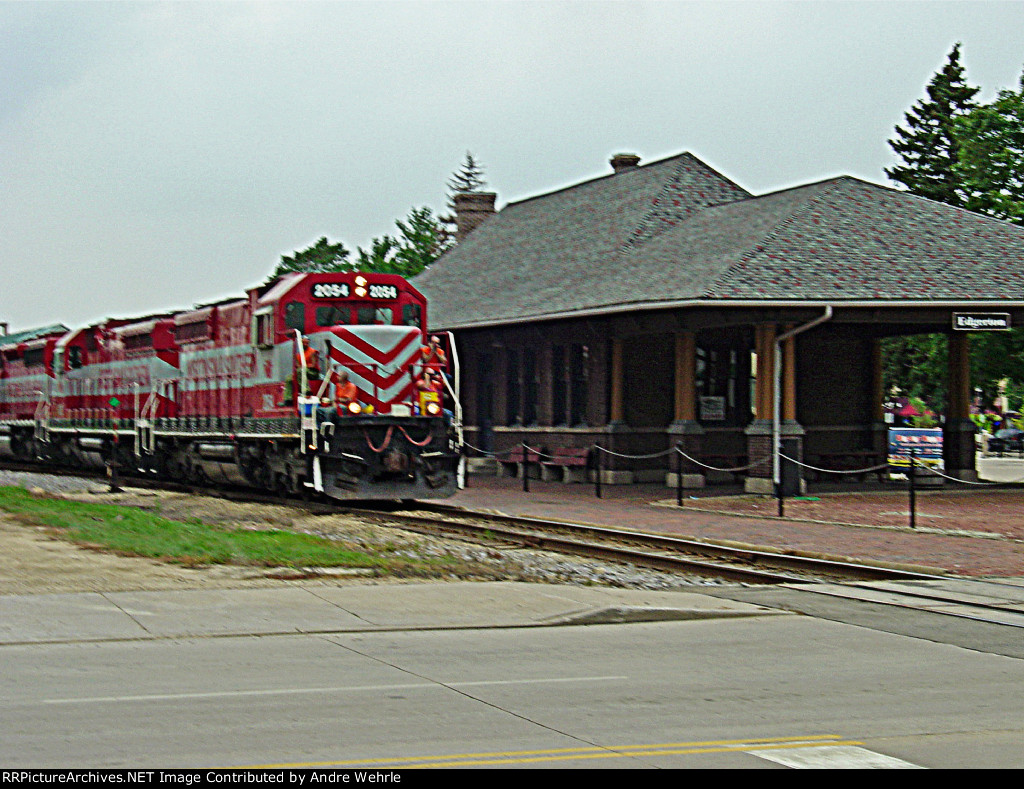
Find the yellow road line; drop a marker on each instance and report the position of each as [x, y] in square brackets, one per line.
[593, 752]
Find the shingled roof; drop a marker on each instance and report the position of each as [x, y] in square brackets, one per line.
[676, 232]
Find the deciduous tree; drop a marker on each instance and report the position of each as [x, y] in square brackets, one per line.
[419, 242]
[990, 142]
[320, 257]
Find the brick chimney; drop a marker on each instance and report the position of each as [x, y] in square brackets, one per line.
[624, 161]
[472, 209]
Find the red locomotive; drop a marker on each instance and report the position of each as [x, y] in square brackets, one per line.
[313, 382]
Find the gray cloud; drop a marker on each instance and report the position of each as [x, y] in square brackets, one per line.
[159, 154]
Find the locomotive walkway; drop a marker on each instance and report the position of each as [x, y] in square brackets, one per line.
[966, 530]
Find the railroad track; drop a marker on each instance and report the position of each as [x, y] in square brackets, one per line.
[988, 602]
[670, 554]
[665, 553]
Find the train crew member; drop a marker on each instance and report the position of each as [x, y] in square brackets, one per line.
[432, 355]
[345, 393]
[429, 383]
[430, 388]
[309, 358]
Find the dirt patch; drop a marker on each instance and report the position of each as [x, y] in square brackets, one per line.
[35, 560]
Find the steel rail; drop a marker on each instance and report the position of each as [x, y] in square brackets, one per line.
[673, 554]
[780, 561]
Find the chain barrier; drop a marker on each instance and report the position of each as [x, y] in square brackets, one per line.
[867, 470]
[531, 452]
[635, 457]
[487, 452]
[716, 468]
[938, 473]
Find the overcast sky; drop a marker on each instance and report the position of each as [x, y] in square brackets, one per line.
[157, 155]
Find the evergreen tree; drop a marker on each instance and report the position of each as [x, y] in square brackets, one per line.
[468, 178]
[929, 151]
[927, 146]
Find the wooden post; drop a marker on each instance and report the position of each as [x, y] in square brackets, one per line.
[617, 411]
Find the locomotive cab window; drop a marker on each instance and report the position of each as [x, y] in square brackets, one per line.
[369, 315]
[332, 316]
[412, 315]
[295, 315]
[263, 330]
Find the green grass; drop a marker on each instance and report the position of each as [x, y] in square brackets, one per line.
[136, 532]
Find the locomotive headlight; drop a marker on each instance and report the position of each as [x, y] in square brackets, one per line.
[433, 409]
[361, 281]
[361, 292]
[354, 408]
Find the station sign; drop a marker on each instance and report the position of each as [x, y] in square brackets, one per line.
[981, 321]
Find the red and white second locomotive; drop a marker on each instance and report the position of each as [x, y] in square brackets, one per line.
[255, 390]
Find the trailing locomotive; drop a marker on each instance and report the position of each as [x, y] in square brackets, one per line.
[250, 391]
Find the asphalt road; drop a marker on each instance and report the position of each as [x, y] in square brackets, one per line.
[757, 692]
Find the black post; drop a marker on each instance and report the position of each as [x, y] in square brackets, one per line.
[913, 490]
[115, 485]
[679, 476]
[526, 468]
[599, 456]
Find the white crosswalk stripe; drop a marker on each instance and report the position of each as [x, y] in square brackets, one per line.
[833, 757]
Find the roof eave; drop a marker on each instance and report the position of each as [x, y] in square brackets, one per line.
[971, 304]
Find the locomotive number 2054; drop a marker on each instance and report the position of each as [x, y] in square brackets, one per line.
[383, 292]
[330, 290]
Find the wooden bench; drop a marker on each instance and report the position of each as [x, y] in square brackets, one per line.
[566, 464]
[835, 463]
[511, 464]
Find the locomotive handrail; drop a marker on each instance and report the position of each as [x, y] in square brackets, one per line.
[41, 415]
[304, 380]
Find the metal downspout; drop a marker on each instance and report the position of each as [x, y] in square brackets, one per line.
[777, 392]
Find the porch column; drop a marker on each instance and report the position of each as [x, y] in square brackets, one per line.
[759, 432]
[685, 429]
[613, 473]
[791, 434]
[879, 429]
[616, 411]
[958, 431]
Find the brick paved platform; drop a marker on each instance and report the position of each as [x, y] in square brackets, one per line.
[964, 530]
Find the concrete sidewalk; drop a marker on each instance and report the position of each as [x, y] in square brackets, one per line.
[89, 616]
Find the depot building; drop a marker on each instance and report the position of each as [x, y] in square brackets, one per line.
[664, 305]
